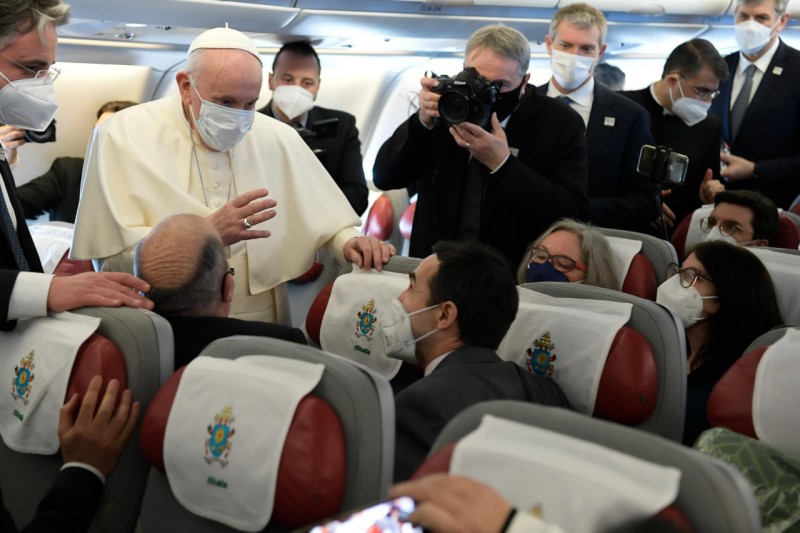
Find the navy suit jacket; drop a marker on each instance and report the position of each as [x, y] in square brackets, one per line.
[544, 180]
[56, 192]
[192, 334]
[68, 507]
[770, 130]
[339, 154]
[467, 376]
[619, 197]
[700, 143]
[8, 265]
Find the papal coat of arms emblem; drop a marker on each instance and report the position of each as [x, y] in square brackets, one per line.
[541, 355]
[218, 443]
[21, 382]
[365, 325]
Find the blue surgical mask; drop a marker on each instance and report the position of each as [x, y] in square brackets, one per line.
[544, 272]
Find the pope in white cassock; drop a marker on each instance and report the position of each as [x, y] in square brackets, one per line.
[207, 152]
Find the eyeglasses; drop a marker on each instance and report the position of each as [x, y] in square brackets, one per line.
[52, 73]
[701, 92]
[687, 276]
[726, 227]
[562, 263]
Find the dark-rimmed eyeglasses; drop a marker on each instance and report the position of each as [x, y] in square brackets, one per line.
[51, 73]
[562, 263]
[701, 92]
[687, 276]
[726, 227]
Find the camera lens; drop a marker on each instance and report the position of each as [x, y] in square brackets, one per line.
[454, 107]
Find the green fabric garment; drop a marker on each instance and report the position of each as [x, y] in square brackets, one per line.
[774, 476]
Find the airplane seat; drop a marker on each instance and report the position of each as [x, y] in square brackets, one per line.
[659, 252]
[739, 399]
[641, 279]
[380, 219]
[795, 207]
[311, 474]
[711, 495]
[788, 231]
[783, 266]
[643, 382]
[134, 347]
[678, 238]
[358, 398]
[405, 225]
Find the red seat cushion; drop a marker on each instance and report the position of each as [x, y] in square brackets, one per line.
[317, 311]
[628, 389]
[678, 238]
[641, 279]
[407, 220]
[312, 470]
[731, 402]
[380, 220]
[788, 233]
[68, 266]
[309, 275]
[97, 356]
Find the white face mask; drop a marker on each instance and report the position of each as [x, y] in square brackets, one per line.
[292, 100]
[398, 338]
[687, 303]
[690, 110]
[571, 70]
[28, 104]
[220, 127]
[752, 36]
[716, 235]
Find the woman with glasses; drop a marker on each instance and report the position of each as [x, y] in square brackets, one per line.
[725, 298]
[569, 251]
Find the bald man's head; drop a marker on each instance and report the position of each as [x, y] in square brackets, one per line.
[183, 260]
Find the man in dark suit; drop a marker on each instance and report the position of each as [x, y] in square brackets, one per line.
[57, 191]
[502, 186]
[92, 434]
[28, 50]
[460, 303]
[183, 260]
[678, 106]
[616, 128]
[760, 105]
[331, 134]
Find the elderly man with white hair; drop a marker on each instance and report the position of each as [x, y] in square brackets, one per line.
[205, 151]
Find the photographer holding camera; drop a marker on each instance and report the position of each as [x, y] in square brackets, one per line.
[501, 184]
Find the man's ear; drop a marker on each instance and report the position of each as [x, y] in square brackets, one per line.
[447, 315]
[227, 288]
[184, 87]
[524, 84]
[269, 81]
[760, 242]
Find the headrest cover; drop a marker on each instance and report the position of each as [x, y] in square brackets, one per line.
[224, 38]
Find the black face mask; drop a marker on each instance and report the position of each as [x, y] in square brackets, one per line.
[506, 103]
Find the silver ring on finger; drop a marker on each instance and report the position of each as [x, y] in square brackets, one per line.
[246, 223]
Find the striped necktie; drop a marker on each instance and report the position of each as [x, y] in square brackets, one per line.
[742, 101]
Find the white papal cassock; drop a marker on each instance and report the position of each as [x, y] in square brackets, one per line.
[140, 169]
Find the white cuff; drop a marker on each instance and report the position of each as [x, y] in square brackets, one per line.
[85, 466]
[501, 164]
[29, 295]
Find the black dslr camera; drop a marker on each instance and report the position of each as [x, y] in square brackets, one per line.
[46, 136]
[469, 97]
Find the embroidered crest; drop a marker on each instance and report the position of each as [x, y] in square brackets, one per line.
[21, 383]
[218, 444]
[541, 355]
[365, 326]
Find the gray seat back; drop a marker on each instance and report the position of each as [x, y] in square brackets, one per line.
[666, 336]
[713, 496]
[660, 252]
[362, 400]
[145, 340]
[769, 338]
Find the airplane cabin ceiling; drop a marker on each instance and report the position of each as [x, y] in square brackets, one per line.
[403, 26]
